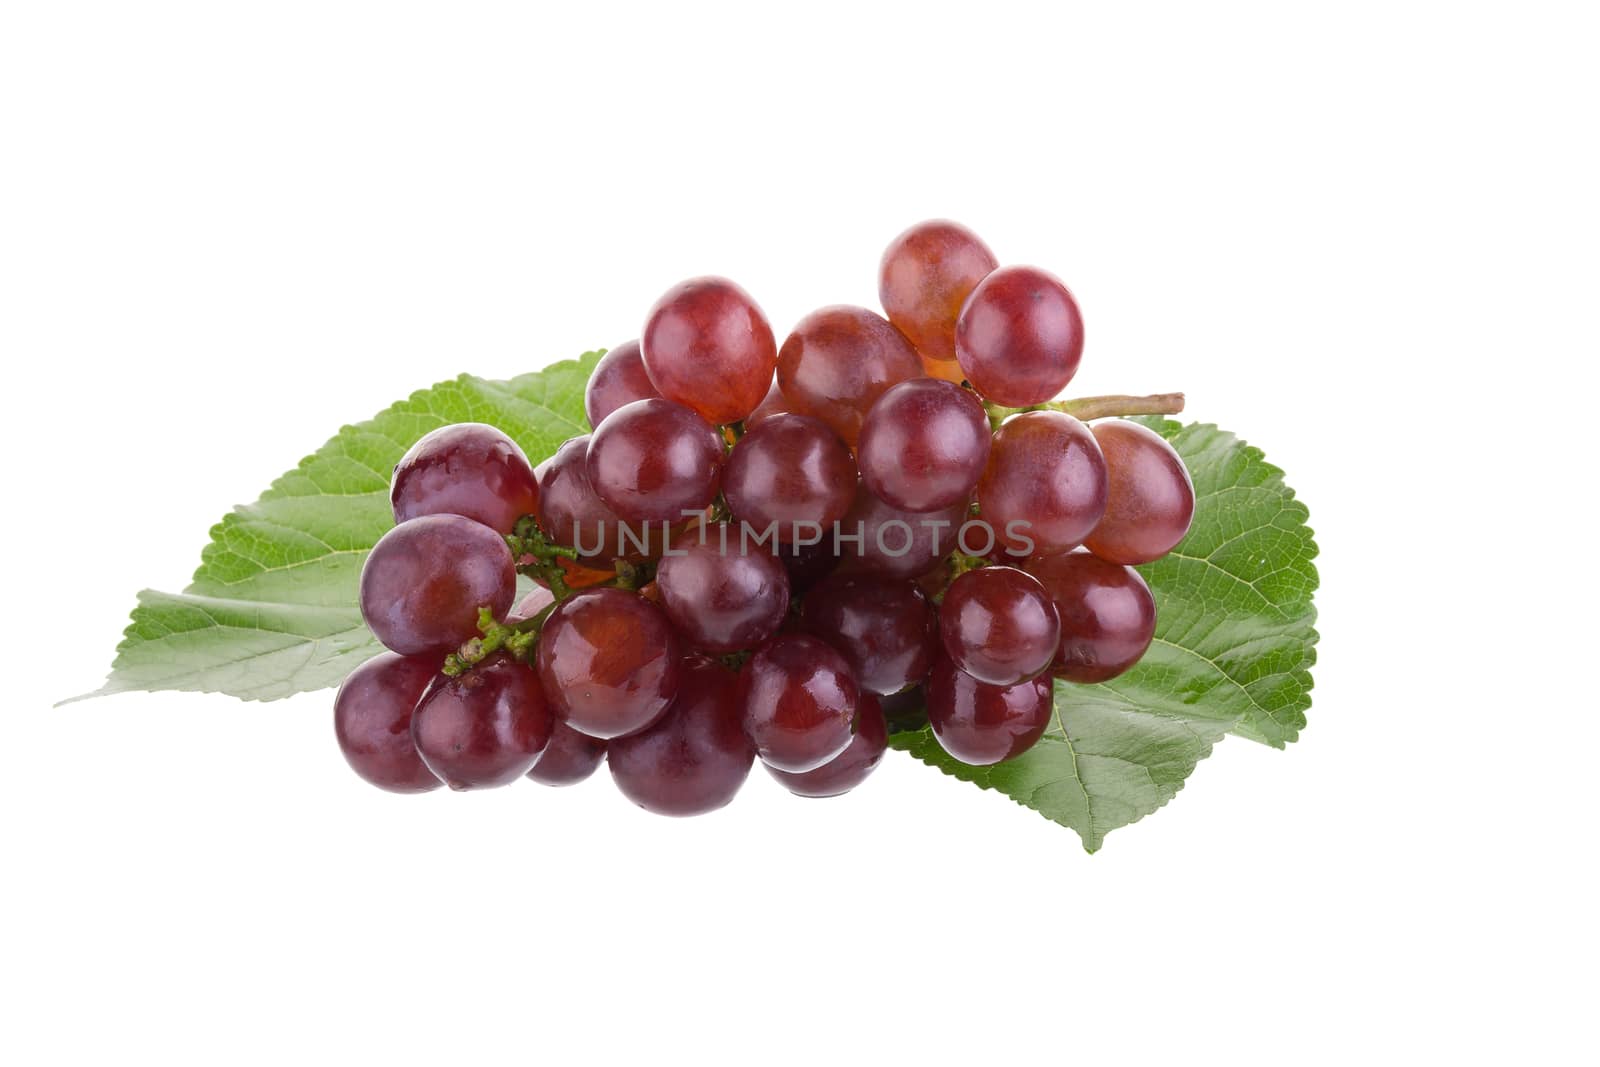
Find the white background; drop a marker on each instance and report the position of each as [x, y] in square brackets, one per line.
[1363, 236]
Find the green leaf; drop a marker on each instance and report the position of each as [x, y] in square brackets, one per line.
[1233, 653]
[272, 610]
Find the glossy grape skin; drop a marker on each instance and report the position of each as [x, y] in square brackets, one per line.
[983, 724]
[884, 627]
[1149, 495]
[425, 580]
[608, 660]
[466, 469]
[792, 471]
[372, 721]
[1046, 474]
[923, 445]
[999, 625]
[619, 378]
[695, 758]
[536, 601]
[1108, 615]
[707, 346]
[568, 759]
[849, 768]
[653, 461]
[1020, 337]
[838, 361]
[485, 728]
[926, 274]
[799, 701]
[772, 404]
[723, 595]
[932, 536]
[572, 514]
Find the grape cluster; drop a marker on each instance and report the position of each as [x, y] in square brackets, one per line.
[770, 552]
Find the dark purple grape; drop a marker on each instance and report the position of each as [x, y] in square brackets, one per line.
[799, 702]
[999, 625]
[849, 768]
[484, 728]
[1045, 487]
[569, 758]
[425, 580]
[1108, 616]
[653, 461]
[923, 445]
[372, 720]
[884, 628]
[571, 514]
[926, 274]
[609, 662]
[707, 346]
[791, 474]
[838, 361]
[981, 724]
[721, 593]
[1149, 495]
[807, 565]
[879, 538]
[1019, 337]
[906, 710]
[467, 469]
[619, 378]
[695, 758]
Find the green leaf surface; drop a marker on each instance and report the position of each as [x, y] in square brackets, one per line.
[272, 610]
[1233, 653]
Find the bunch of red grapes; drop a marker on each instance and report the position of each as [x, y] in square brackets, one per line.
[770, 552]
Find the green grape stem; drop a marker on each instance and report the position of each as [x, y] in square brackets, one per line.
[1117, 405]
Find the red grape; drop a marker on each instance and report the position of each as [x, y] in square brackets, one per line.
[572, 514]
[1108, 616]
[695, 758]
[849, 768]
[1045, 487]
[653, 461]
[999, 625]
[707, 346]
[484, 728]
[792, 474]
[884, 628]
[569, 758]
[426, 579]
[532, 604]
[609, 662]
[1019, 337]
[838, 361]
[723, 595]
[799, 702]
[773, 404]
[467, 469]
[882, 539]
[926, 274]
[923, 445]
[1149, 496]
[619, 378]
[981, 724]
[372, 720]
